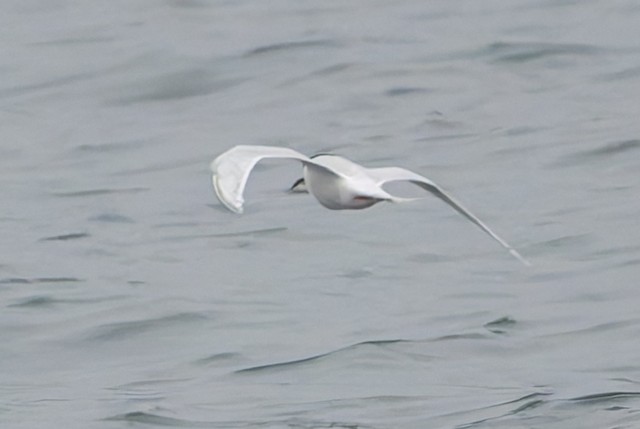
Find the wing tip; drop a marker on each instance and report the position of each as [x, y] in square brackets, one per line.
[519, 257]
[234, 206]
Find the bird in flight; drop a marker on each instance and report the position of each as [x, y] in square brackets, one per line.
[336, 182]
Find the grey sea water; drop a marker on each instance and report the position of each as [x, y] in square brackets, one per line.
[130, 298]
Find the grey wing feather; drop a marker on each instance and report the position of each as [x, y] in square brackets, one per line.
[232, 168]
[390, 174]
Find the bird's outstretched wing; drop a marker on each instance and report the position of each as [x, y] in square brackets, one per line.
[392, 174]
[232, 168]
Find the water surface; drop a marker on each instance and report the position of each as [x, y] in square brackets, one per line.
[130, 297]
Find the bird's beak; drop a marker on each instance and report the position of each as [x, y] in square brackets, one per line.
[299, 186]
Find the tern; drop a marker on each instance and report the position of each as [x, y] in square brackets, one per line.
[336, 182]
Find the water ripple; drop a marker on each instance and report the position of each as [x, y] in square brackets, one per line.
[498, 326]
[298, 362]
[595, 329]
[605, 397]
[122, 330]
[49, 84]
[404, 90]
[539, 410]
[154, 419]
[117, 146]
[111, 218]
[566, 241]
[196, 82]
[505, 409]
[288, 46]
[157, 420]
[514, 52]
[605, 151]
[99, 191]
[22, 280]
[66, 237]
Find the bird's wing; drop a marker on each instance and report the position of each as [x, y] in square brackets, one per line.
[391, 174]
[232, 168]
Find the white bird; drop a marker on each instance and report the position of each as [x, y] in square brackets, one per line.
[336, 182]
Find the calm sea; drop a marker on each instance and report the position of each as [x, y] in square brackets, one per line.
[129, 297]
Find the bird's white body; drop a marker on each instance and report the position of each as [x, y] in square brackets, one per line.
[336, 182]
[348, 189]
